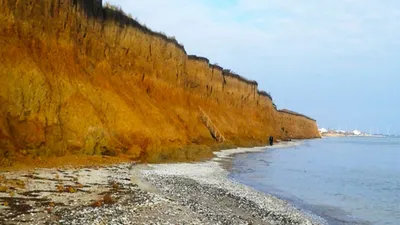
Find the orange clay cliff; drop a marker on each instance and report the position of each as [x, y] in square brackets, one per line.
[79, 79]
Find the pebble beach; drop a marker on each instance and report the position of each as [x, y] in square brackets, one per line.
[184, 193]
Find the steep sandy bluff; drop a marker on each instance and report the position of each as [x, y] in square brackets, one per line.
[80, 79]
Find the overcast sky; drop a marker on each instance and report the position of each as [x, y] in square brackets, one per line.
[335, 60]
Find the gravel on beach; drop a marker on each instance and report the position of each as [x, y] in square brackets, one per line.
[186, 193]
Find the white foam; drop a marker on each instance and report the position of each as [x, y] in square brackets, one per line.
[230, 152]
[212, 173]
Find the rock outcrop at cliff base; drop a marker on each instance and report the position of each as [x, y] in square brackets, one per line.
[80, 79]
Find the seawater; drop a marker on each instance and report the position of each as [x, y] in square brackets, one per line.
[350, 180]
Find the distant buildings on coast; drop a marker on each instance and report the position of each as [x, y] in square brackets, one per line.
[342, 133]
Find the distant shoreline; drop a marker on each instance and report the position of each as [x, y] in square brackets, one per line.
[347, 135]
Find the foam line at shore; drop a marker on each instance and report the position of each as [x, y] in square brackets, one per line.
[228, 153]
[213, 176]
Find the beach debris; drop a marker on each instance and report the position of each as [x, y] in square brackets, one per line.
[198, 193]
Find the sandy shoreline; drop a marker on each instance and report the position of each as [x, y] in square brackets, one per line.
[185, 193]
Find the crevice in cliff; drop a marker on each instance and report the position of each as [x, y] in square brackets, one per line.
[129, 85]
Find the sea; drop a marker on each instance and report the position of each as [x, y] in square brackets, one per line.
[347, 180]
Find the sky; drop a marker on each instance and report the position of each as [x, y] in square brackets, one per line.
[337, 61]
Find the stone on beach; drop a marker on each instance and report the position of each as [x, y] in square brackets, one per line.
[186, 193]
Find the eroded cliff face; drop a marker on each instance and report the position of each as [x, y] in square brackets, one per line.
[80, 79]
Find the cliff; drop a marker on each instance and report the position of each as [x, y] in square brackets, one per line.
[80, 79]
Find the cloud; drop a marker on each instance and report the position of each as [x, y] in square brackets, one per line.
[275, 38]
[302, 48]
[273, 27]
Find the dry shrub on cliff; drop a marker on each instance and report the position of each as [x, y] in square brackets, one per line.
[113, 7]
[118, 8]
